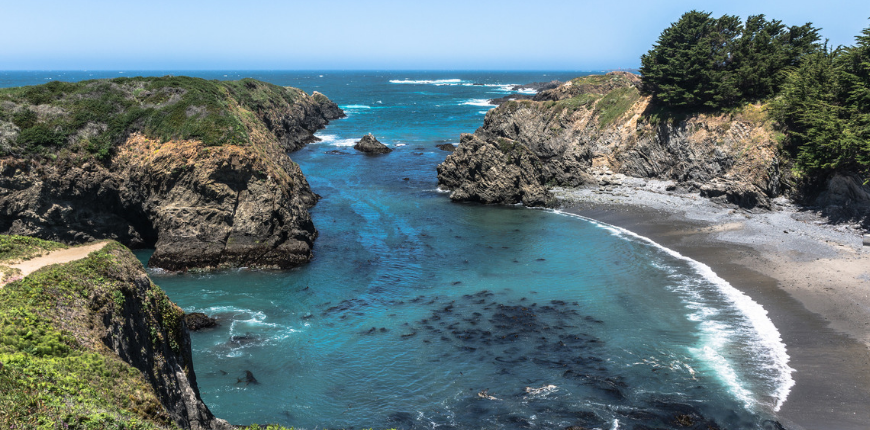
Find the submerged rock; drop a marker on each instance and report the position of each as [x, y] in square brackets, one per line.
[370, 145]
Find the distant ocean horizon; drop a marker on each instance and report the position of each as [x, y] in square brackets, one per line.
[418, 312]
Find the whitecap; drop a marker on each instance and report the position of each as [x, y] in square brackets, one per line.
[355, 107]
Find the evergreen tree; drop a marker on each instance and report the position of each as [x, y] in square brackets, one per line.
[705, 62]
[825, 109]
[684, 67]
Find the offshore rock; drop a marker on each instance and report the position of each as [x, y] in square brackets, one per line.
[370, 145]
[198, 320]
[239, 204]
[601, 123]
[449, 147]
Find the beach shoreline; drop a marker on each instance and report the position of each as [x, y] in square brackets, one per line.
[812, 278]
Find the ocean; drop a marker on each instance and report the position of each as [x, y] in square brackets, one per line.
[417, 312]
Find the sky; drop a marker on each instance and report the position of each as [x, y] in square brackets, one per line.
[369, 35]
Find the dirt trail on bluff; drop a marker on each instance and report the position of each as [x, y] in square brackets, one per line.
[56, 257]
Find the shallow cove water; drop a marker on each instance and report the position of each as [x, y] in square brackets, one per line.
[419, 312]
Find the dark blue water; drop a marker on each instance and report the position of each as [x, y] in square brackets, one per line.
[419, 312]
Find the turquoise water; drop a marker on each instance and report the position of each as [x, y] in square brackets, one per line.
[420, 313]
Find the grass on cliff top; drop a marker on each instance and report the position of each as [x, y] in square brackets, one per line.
[615, 103]
[94, 116]
[15, 248]
[18, 248]
[49, 379]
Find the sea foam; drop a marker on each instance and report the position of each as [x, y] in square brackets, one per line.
[428, 82]
[762, 338]
[333, 140]
[477, 102]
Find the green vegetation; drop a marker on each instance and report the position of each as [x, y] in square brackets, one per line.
[94, 116]
[705, 62]
[819, 96]
[25, 248]
[825, 110]
[615, 104]
[55, 372]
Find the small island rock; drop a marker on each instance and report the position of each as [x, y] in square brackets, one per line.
[449, 147]
[198, 320]
[370, 145]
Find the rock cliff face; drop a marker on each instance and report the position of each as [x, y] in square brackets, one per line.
[125, 322]
[602, 124]
[241, 203]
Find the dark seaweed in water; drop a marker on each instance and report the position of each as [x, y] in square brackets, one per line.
[558, 339]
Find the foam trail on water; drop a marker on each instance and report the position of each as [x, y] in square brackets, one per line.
[333, 140]
[477, 102]
[427, 81]
[768, 347]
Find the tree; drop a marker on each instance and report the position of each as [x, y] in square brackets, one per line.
[684, 68]
[825, 109]
[705, 62]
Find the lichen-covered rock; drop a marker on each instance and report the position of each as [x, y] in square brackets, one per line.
[370, 145]
[239, 203]
[599, 122]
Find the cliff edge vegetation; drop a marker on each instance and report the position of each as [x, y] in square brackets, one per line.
[196, 169]
[93, 344]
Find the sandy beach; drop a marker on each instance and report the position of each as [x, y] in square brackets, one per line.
[813, 278]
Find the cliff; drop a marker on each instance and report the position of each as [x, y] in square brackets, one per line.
[197, 169]
[590, 128]
[94, 344]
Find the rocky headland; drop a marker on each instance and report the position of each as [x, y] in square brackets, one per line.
[595, 130]
[196, 169]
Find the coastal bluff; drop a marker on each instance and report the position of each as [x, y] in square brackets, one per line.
[93, 343]
[593, 130]
[196, 169]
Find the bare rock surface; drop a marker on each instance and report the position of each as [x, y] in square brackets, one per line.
[370, 145]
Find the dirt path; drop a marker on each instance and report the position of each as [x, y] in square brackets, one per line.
[56, 257]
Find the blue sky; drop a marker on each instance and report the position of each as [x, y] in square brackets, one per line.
[382, 34]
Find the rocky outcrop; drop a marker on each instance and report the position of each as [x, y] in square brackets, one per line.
[538, 86]
[370, 145]
[148, 331]
[843, 198]
[198, 205]
[197, 321]
[602, 122]
[449, 147]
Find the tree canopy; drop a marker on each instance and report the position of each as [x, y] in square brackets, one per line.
[705, 62]
[824, 106]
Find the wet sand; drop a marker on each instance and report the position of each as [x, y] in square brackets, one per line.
[811, 277]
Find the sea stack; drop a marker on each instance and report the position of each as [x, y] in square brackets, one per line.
[370, 145]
